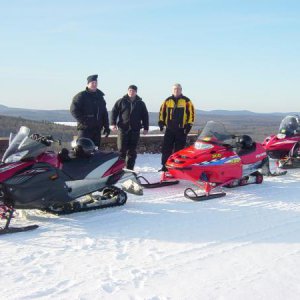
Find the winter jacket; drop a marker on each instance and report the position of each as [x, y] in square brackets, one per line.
[89, 109]
[127, 114]
[176, 113]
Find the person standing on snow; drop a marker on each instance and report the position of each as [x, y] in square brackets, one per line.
[177, 115]
[129, 115]
[89, 109]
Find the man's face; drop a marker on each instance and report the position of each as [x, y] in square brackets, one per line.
[131, 93]
[176, 91]
[92, 85]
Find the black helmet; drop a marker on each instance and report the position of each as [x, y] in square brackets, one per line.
[84, 147]
[246, 141]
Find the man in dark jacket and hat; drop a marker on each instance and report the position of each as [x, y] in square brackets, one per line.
[89, 109]
[129, 115]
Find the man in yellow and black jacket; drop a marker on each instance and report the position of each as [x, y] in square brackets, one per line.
[177, 114]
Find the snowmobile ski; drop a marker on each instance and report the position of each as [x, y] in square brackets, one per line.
[265, 170]
[17, 229]
[158, 184]
[7, 213]
[276, 173]
[192, 195]
[289, 163]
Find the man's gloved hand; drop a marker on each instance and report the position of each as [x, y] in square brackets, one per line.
[161, 125]
[106, 131]
[187, 128]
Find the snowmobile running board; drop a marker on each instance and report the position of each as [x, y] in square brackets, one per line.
[17, 229]
[158, 184]
[196, 197]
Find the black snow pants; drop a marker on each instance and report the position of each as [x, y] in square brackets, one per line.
[127, 144]
[174, 140]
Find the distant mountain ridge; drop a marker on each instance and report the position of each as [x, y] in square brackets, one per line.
[65, 115]
[257, 125]
[37, 114]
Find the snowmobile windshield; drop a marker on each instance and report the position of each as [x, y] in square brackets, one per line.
[215, 132]
[289, 125]
[22, 147]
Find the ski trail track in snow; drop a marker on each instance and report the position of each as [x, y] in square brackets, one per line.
[245, 245]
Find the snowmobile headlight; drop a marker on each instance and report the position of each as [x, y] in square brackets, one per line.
[203, 146]
[281, 136]
[16, 156]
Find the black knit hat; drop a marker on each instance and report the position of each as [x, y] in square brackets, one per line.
[132, 86]
[92, 78]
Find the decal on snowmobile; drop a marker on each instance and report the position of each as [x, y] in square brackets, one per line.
[233, 161]
[9, 167]
[216, 155]
[220, 161]
[261, 155]
[35, 171]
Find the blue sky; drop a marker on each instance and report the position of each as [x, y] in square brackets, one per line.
[231, 55]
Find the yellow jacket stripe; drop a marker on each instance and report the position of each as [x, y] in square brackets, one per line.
[177, 113]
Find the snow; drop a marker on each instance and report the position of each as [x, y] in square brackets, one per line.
[162, 246]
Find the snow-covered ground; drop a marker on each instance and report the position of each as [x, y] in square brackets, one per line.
[162, 246]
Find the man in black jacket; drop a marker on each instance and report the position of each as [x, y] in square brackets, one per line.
[89, 109]
[129, 115]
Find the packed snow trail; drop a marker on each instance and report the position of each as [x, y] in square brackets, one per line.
[245, 245]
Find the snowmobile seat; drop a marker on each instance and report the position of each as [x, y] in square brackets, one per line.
[246, 150]
[63, 155]
[79, 167]
[245, 145]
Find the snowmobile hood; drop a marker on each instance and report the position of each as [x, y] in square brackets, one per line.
[198, 153]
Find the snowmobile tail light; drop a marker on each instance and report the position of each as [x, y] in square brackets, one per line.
[202, 146]
[16, 156]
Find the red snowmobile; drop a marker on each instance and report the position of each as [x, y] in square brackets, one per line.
[285, 146]
[32, 177]
[217, 159]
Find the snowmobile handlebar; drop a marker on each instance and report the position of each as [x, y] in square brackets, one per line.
[46, 140]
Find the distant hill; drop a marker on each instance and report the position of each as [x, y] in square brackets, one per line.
[37, 114]
[65, 115]
[12, 124]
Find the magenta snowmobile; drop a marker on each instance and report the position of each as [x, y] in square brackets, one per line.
[33, 177]
[285, 146]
